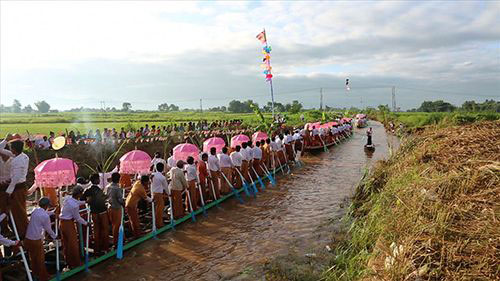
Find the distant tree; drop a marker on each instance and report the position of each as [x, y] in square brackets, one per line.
[126, 106]
[383, 108]
[436, 106]
[235, 106]
[28, 109]
[4, 109]
[163, 107]
[16, 106]
[295, 107]
[43, 106]
[173, 107]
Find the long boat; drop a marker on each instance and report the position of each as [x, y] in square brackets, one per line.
[166, 228]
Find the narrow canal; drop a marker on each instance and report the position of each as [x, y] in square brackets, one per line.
[233, 242]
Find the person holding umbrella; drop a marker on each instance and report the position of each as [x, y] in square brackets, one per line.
[33, 242]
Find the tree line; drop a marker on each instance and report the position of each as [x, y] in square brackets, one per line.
[469, 106]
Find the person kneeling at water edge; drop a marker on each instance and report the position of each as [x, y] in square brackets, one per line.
[137, 193]
[178, 184]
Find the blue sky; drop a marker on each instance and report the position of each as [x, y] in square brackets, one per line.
[74, 54]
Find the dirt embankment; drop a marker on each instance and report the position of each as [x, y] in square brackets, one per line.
[432, 211]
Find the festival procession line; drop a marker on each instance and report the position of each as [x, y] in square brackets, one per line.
[272, 176]
[58, 173]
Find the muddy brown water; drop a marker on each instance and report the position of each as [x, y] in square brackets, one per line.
[233, 242]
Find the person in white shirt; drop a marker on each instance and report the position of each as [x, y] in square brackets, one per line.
[274, 153]
[192, 178]
[226, 166]
[70, 215]
[237, 161]
[157, 159]
[214, 170]
[17, 188]
[38, 225]
[281, 149]
[257, 157]
[288, 141]
[171, 163]
[245, 164]
[105, 177]
[159, 186]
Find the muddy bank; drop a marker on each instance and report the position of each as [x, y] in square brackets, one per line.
[236, 241]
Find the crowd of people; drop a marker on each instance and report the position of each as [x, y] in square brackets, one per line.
[111, 134]
[172, 190]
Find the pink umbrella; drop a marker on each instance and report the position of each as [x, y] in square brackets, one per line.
[238, 140]
[258, 136]
[216, 142]
[308, 126]
[135, 162]
[184, 150]
[56, 172]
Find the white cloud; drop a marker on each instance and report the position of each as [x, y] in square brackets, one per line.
[213, 42]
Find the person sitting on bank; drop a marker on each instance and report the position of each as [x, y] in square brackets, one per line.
[33, 242]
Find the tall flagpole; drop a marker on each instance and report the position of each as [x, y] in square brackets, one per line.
[270, 80]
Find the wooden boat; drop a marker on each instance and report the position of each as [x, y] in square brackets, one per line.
[166, 228]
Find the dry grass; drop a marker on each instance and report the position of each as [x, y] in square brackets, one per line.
[435, 207]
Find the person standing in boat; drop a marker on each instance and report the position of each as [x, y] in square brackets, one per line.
[214, 170]
[116, 203]
[137, 193]
[257, 158]
[159, 187]
[96, 199]
[237, 161]
[191, 179]
[203, 175]
[38, 225]
[157, 159]
[245, 162]
[178, 184]
[369, 137]
[226, 166]
[70, 215]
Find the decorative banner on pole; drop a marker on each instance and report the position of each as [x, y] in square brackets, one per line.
[347, 87]
[266, 63]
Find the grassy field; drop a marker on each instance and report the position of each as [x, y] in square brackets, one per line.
[59, 122]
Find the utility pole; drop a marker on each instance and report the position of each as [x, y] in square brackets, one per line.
[201, 106]
[394, 108]
[321, 99]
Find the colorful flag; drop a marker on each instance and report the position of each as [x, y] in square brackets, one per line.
[262, 37]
